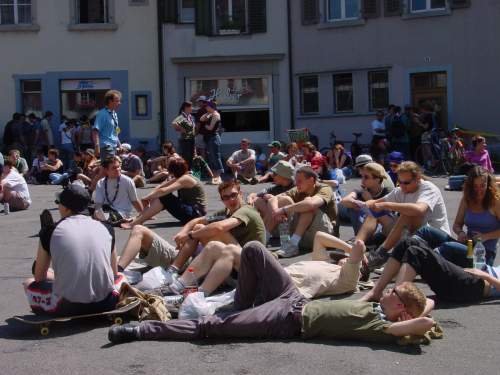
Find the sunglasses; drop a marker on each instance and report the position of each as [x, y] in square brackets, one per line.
[394, 291]
[229, 196]
[406, 182]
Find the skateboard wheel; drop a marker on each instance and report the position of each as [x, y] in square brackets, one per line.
[119, 320]
[44, 331]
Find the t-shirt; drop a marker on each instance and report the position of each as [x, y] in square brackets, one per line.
[482, 159]
[429, 194]
[132, 163]
[22, 165]
[37, 163]
[106, 123]
[47, 129]
[238, 156]
[252, 227]
[383, 193]
[378, 128]
[275, 189]
[124, 197]
[80, 250]
[274, 158]
[17, 183]
[345, 320]
[324, 191]
[66, 134]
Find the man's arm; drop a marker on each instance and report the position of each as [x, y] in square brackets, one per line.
[216, 228]
[348, 200]
[138, 206]
[408, 209]
[418, 326]
[42, 263]
[306, 205]
[114, 261]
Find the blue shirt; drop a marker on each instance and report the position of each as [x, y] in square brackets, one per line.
[106, 123]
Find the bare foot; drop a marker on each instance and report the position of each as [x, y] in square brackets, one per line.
[358, 251]
[126, 225]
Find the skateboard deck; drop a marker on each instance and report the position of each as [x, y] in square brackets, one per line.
[43, 322]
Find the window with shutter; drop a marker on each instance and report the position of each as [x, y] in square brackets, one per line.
[392, 8]
[203, 17]
[371, 8]
[257, 19]
[339, 10]
[454, 4]
[168, 9]
[417, 6]
[310, 12]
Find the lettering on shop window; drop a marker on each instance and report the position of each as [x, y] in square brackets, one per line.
[228, 93]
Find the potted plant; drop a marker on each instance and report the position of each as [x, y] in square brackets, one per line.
[229, 27]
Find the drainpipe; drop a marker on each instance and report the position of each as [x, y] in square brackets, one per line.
[161, 74]
[290, 64]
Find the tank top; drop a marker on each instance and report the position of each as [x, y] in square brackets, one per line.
[193, 196]
[483, 222]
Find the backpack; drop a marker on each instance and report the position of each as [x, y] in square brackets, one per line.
[398, 129]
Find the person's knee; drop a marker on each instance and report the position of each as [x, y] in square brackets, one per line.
[138, 231]
[252, 249]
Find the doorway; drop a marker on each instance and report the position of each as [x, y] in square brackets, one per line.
[431, 87]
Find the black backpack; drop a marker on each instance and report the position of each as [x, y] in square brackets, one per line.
[398, 128]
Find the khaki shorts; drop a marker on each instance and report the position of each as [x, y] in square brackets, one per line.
[320, 223]
[347, 281]
[161, 253]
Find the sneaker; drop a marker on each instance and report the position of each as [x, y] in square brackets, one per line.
[118, 334]
[288, 250]
[170, 275]
[377, 258]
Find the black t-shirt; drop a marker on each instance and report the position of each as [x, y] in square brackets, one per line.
[359, 194]
[275, 190]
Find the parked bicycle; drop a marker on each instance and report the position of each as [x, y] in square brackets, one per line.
[443, 154]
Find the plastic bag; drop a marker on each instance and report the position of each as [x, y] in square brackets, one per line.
[197, 305]
[153, 279]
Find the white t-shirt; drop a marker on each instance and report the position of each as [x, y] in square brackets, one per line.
[17, 183]
[429, 194]
[37, 163]
[124, 197]
[239, 156]
[378, 128]
[66, 135]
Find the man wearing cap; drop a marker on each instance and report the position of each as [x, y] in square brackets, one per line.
[132, 165]
[283, 179]
[395, 158]
[83, 256]
[309, 207]
[364, 159]
[275, 155]
[242, 163]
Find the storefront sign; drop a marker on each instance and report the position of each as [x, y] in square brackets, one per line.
[231, 91]
[85, 84]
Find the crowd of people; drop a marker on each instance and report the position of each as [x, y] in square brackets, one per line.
[398, 217]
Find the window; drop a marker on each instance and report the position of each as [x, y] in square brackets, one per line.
[31, 91]
[309, 95]
[230, 16]
[343, 10]
[15, 12]
[427, 5]
[378, 89]
[141, 105]
[92, 11]
[342, 84]
[186, 11]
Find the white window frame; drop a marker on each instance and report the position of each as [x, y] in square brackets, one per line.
[16, 12]
[342, 12]
[427, 7]
[181, 20]
[230, 8]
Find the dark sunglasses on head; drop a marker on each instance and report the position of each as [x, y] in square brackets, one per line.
[398, 295]
[405, 182]
[229, 196]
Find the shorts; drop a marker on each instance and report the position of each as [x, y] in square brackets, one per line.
[17, 202]
[320, 223]
[161, 253]
[43, 301]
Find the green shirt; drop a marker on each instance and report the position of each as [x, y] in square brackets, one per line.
[251, 226]
[323, 191]
[345, 320]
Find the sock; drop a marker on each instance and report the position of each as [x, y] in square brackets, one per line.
[120, 268]
[295, 239]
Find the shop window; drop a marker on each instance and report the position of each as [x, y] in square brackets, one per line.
[343, 90]
[83, 97]
[343, 10]
[427, 5]
[31, 91]
[378, 89]
[186, 11]
[309, 95]
[245, 121]
[92, 11]
[15, 12]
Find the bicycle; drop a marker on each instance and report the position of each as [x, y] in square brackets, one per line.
[442, 159]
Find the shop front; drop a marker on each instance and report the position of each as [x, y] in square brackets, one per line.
[82, 97]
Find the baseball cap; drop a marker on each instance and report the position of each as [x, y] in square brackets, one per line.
[202, 98]
[362, 160]
[396, 157]
[275, 144]
[283, 169]
[74, 197]
[126, 146]
[211, 104]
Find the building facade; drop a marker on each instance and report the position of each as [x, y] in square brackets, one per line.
[352, 57]
[63, 55]
[233, 51]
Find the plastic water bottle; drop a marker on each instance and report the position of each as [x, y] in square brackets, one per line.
[191, 282]
[470, 254]
[6, 208]
[284, 233]
[479, 255]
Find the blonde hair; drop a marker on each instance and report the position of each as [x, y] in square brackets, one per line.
[410, 167]
[110, 95]
[376, 170]
[413, 298]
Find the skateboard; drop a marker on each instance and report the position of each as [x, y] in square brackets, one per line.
[43, 322]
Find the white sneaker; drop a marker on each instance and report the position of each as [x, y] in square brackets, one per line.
[288, 250]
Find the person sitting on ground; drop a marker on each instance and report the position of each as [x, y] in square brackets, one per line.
[268, 305]
[309, 207]
[36, 167]
[479, 210]
[283, 181]
[18, 162]
[450, 282]
[292, 150]
[115, 192]
[275, 155]
[83, 256]
[364, 159]
[314, 158]
[479, 154]
[132, 165]
[90, 166]
[158, 166]
[13, 188]
[190, 202]
[260, 161]
[351, 206]
[339, 159]
[52, 170]
[242, 163]
[418, 202]
[236, 224]
[395, 158]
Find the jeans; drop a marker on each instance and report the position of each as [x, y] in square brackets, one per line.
[181, 211]
[214, 155]
[57, 178]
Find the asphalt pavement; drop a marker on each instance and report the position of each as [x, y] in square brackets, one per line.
[469, 346]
